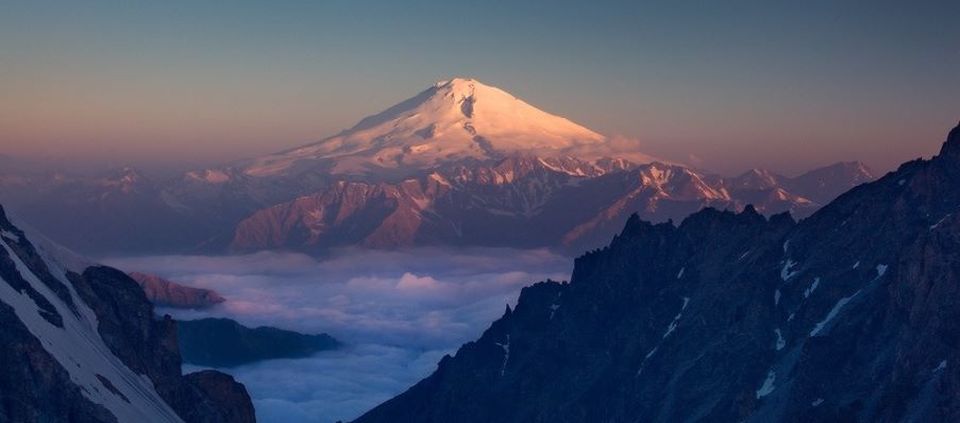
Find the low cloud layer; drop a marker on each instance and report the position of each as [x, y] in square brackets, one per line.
[399, 312]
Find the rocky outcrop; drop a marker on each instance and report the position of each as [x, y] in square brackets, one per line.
[226, 343]
[223, 391]
[849, 315]
[164, 293]
[82, 345]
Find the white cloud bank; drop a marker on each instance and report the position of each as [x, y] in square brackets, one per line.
[399, 312]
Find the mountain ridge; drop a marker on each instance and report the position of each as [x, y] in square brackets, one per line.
[847, 315]
[513, 165]
[516, 203]
[83, 345]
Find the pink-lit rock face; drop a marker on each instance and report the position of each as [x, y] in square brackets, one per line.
[164, 293]
[526, 202]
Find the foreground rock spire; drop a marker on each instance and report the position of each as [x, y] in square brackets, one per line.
[951, 148]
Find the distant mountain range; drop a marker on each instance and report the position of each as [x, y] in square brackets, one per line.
[524, 202]
[850, 315]
[461, 163]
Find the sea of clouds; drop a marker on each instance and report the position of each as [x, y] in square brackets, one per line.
[398, 312]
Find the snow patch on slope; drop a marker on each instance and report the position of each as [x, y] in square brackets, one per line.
[787, 272]
[670, 328]
[82, 353]
[813, 287]
[506, 354]
[832, 314]
[676, 319]
[780, 341]
[768, 386]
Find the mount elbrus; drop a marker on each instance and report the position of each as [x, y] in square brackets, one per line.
[461, 163]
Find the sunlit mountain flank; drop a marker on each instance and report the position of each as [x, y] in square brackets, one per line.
[424, 211]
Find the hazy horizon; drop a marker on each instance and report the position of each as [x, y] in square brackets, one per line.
[721, 87]
[563, 210]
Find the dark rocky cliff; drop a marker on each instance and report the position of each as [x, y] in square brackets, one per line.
[97, 353]
[226, 343]
[849, 315]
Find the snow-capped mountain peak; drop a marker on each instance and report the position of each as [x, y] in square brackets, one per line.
[450, 121]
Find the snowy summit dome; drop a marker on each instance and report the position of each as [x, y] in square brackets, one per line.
[452, 120]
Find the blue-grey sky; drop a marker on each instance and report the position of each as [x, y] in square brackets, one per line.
[727, 85]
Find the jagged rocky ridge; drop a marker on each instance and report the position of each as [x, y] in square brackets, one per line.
[82, 345]
[526, 202]
[848, 315]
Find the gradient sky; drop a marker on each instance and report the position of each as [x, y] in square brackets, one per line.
[736, 84]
